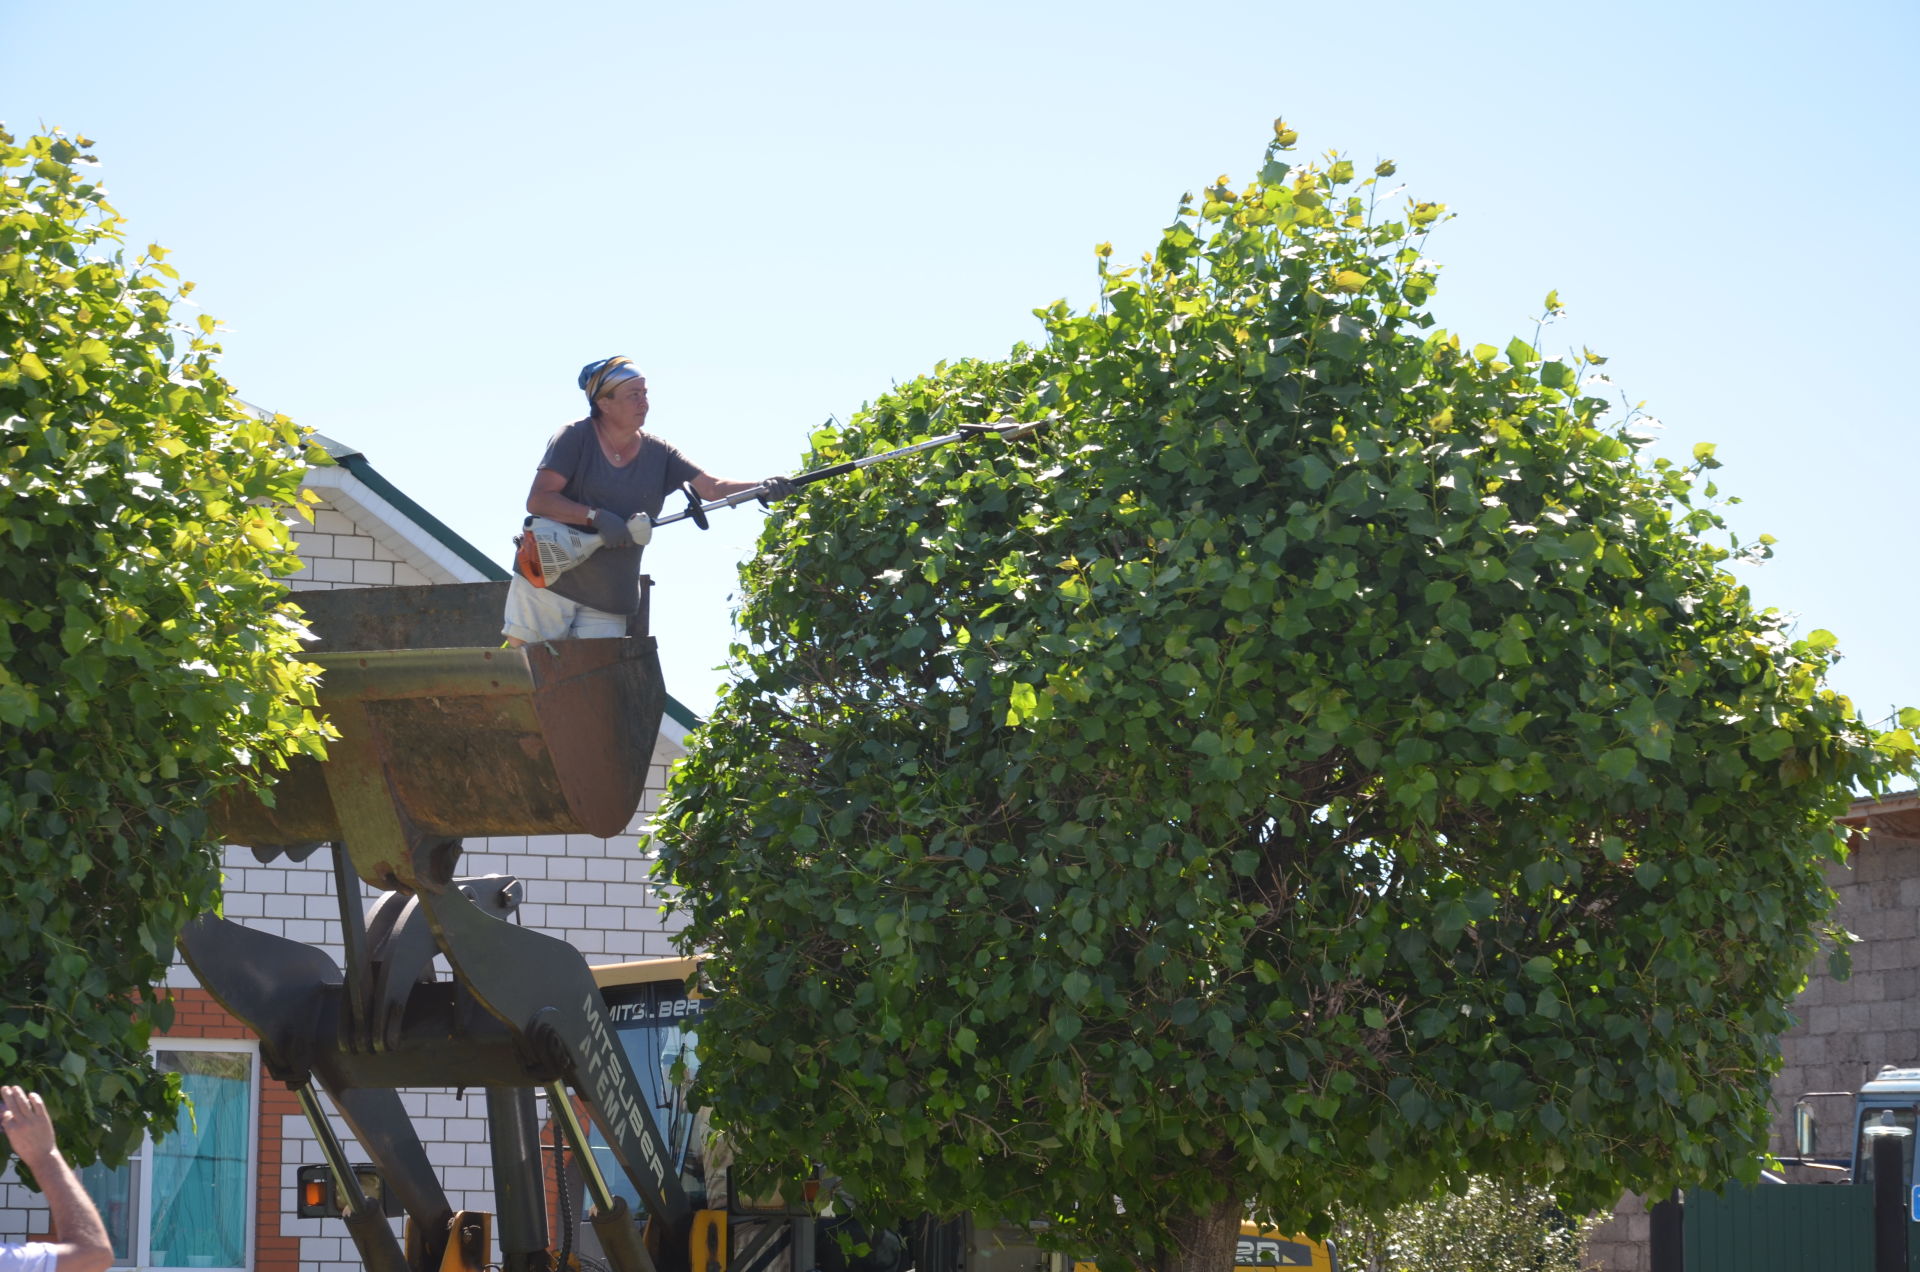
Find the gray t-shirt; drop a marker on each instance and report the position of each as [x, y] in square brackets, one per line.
[609, 580]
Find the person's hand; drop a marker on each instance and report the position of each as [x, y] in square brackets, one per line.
[613, 529]
[23, 1116]
[775, 488]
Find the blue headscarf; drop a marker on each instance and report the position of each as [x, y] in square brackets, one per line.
[596, 378]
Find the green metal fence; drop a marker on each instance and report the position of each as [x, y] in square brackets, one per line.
[1780, 1228]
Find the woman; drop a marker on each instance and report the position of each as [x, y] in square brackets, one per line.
[596, 473]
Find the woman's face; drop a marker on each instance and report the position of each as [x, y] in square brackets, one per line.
[626, 402]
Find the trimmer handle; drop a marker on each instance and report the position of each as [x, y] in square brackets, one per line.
[694, 509]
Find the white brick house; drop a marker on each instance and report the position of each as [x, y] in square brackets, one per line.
[594, 893]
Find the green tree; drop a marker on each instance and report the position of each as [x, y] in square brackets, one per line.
[147, 655]
[1329, 762]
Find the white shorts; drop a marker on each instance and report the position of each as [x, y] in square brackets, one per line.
[536, 614]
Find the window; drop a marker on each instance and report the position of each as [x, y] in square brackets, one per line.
[187, 1202]
[655, 1022]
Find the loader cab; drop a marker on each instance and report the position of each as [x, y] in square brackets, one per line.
[654, 1020]
[1260, 1248]
[1263, 1249]
[1891, 1099]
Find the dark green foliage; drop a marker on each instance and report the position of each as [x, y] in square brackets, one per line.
[147, 657]
[1327, 763]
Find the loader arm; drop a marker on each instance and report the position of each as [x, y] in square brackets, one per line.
[445, 735]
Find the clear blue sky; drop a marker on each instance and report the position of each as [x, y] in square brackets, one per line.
[419, 220]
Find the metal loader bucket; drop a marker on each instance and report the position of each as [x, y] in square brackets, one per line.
[456, 735]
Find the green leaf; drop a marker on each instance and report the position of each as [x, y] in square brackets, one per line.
[1620, 763]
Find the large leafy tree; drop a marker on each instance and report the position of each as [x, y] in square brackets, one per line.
[147, 655]
[1331, 761]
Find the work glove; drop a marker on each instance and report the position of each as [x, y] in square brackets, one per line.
[614, 532]
[775, 488]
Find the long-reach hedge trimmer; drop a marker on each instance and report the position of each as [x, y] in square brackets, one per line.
[546, 549]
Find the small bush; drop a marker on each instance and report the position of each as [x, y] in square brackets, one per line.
[1496, 1227]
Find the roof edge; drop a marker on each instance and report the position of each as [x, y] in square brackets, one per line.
[1868, 807]
[681, 714]
[356, 463]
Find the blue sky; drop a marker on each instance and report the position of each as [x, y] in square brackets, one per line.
[418, 221]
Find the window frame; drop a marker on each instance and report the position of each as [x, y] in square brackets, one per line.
[142, 1236]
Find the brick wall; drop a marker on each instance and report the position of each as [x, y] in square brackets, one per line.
[23, 1216]
[338, 553]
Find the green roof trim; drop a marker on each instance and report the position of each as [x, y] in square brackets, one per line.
[356, 463]
[681, 715]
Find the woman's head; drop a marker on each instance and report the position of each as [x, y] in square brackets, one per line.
[614, 382]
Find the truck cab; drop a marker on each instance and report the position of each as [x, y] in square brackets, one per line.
[1891, 1099]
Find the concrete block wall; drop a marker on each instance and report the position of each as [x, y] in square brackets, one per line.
[1848, 1029]
[1620, 1244]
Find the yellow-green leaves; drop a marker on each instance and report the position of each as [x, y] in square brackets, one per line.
[145, 664]
[1021, 703]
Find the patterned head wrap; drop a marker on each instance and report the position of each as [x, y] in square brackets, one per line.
[597, 378]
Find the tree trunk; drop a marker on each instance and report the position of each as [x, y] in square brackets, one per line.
[1204, 1242]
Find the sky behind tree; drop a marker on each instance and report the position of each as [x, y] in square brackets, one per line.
[418, 221]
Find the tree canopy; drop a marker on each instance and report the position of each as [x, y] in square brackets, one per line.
[1330, 761]
[147, 654]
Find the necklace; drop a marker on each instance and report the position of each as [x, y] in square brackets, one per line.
[619, 450]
